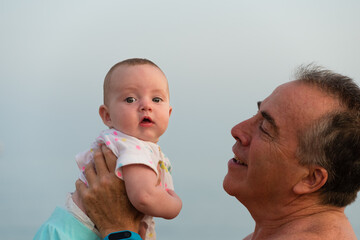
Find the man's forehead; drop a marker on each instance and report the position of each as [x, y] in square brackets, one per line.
[299, 103]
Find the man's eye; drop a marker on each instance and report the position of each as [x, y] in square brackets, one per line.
[130, 99]
[262, 129]
[157, 99]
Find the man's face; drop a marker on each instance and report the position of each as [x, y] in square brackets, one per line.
[265, 169]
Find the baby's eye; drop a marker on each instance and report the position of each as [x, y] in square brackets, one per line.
[157, 99]
[130, 99]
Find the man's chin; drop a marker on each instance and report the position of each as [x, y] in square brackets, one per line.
[227, 186]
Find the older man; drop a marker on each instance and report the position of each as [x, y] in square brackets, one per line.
[296, 163]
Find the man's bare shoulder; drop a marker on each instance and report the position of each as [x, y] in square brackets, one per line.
[330, 232]
[309, 236]
[334, 233]
[315, 236]
[325, 226]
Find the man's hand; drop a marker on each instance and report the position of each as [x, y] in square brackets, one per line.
[105, 198]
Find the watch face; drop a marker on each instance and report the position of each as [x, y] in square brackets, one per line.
[120, 235]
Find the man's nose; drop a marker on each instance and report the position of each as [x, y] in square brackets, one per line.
[242, 132]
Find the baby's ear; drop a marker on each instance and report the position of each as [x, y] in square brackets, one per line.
[170, 110]
[313, 181]
[105, 115]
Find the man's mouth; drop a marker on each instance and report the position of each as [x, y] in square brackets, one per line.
[238, 161]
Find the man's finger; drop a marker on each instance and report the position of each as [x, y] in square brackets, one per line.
[81, 188]
[82, 191]
[99, 161]
[90, 173]
[110, 158]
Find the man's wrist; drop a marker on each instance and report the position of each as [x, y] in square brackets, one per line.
[123, 235]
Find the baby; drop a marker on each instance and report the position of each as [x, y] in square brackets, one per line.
[136, 109]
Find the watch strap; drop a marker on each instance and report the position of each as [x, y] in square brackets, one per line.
[123, 235]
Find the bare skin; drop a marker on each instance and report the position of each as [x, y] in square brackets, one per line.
[265, 174]
[327, 224]
[283, 202]
[105, 198]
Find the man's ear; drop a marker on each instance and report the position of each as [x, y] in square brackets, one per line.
[105, 115]
[313, 181]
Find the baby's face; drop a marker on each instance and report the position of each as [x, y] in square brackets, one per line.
[138, 102]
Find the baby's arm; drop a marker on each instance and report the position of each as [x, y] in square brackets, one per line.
[146, 195]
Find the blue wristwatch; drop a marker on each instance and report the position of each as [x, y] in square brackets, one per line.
[123, 235]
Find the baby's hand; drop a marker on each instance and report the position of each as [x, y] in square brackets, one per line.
[176, 201]
[172, 193]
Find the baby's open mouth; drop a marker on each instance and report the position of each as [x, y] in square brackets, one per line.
[146, 120]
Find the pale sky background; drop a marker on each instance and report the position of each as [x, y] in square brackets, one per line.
[220, 58]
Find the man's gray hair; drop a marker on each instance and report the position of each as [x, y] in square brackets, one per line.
[333, 140]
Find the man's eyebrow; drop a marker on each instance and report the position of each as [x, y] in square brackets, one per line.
[268, 118]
